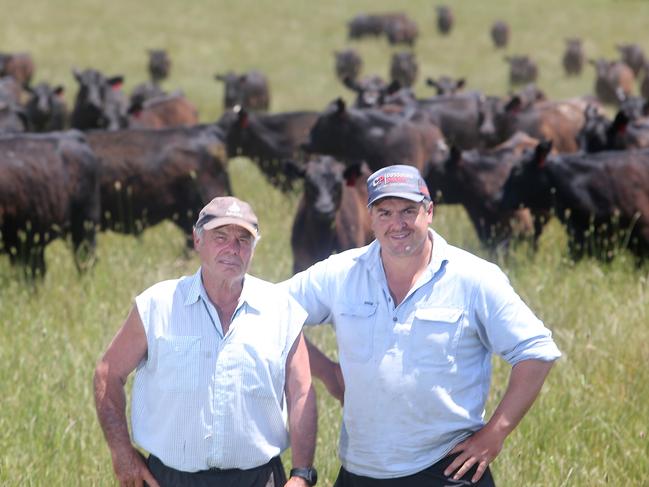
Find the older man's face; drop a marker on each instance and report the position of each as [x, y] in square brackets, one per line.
[400, 225]
[226, 251]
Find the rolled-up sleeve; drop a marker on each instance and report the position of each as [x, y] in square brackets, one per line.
[507, 326]
[311, 288]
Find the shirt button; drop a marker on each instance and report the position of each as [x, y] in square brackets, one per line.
[394, 319]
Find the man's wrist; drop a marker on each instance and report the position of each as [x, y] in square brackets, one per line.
[309, 474]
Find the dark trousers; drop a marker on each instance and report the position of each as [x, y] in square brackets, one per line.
[269, 475]
[433, 476]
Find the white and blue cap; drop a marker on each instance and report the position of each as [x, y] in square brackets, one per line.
[398, 181]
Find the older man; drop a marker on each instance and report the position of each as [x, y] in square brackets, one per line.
[215, 354]
[416, 322]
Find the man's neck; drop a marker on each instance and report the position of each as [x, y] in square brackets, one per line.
[224, 295]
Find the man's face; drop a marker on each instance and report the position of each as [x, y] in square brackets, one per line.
[225, 251]
[400, 225]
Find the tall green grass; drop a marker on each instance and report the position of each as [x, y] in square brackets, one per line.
[589, 426]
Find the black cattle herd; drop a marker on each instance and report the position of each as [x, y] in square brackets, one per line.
[124, 163]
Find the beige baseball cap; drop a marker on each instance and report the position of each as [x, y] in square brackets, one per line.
[228, 210]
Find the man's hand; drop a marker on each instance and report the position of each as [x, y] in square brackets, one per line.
[481, 449]
[131, 470]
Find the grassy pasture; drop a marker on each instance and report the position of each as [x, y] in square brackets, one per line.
[588, 428]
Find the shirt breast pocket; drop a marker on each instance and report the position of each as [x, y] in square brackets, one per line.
[178, 363]
[435, 335]
[355, 331]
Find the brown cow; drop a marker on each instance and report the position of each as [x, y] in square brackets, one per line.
[173, 110]
[614, 80]
[332, 214]
[19, 65]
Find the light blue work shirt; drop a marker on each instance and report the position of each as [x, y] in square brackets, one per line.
[202, 400]
[416, 375]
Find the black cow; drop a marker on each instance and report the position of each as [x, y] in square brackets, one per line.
[49, 188]
[100, 102]
[475, 179]
[522, 69]
[444, 19]
[599, 133]
[348, 64]
[614, 80]
[369, 135]
[404, 68]
[46, 109]
[270, 140]
[633, 56]
[153, 175]
[18, 65]
[601, 198]
[159, 65]
[332, 213]
[573, 57]
[365, 25]
[500, 33]
[248, 90]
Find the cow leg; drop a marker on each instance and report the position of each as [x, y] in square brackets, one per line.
[83, 234]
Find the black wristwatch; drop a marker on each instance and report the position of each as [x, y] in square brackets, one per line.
[309, 474]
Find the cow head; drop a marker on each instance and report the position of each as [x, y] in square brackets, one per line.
[100, 102]
[323, 187]
[529, 184]
[446, 85]
[159, 64]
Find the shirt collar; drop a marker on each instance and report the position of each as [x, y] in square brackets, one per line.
[197, 290]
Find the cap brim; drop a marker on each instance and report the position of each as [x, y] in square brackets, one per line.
[221, 222]
[418, 198]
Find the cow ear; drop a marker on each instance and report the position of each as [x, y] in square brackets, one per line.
[431, 82]
[114, 81]
[59, 90]
[620, 122]
[293, 169]
[219, 77]
[352, 84]
[460, 83]
[541, 152]
[351, 174]
[393, 87]
[77, 74]
[514, 104]
[341, 107]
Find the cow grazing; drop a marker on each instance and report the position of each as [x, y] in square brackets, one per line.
[46, 109]
[445, 19]
[446, 85]
[602, 198]
[475, 179]
[268, 139]
[522, 69]
[173, 110]
[159, 65]
[614, 80]
[100, 102]
[573, 57]
[404, 68]
[633, 56]
[622, 133]
[500, 34]
[348, 64]
[332, 214]
[365, 25]
[248, 90]
[19, 65]
[49, 188]
[153, 175]
[400, 29]
[371, 136]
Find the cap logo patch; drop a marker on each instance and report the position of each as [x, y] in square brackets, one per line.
[234, 210]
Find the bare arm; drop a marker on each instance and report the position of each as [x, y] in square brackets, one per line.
[525, 382]
[327, 371]
[128, 347]
[301, 403]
